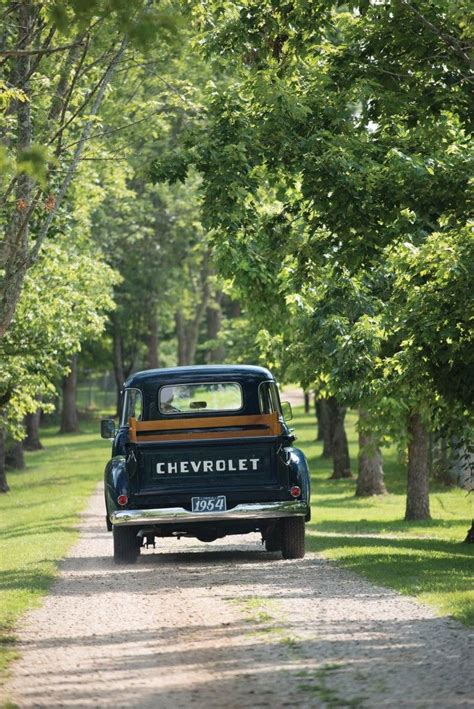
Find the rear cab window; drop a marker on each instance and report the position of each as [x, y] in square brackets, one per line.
[204, 397]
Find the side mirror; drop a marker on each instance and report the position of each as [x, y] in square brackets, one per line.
[286, 410]
[107, 429]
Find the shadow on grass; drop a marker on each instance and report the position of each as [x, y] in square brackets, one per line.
[399, 526]
[49, 526]
[33, 580]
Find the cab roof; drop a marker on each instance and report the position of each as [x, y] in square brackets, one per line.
[199, 373]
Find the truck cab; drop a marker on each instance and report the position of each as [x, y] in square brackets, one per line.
[206, 452]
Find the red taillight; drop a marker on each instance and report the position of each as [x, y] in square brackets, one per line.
[122, 499]
[295, 491]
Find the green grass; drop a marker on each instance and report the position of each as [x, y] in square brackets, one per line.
[38, 519]
[369, 535]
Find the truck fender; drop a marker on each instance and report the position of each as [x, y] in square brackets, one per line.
[115, 481]
[300, 473]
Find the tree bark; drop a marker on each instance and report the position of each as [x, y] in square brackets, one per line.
[324, 427]
[117, 356]
[4, 487]
[418, 502]
[69, 418]
[151, 341]
[122, 368]
[15, 457]
[340, 448]
[307, 406]
[215, 353]
[443, 467]
[370, 478]
[16, 256]
[181, 336]
[32, 441]
[317, 413]
[14, 250]
[187, 329]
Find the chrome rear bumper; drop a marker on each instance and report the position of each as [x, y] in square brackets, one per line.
[172, 515]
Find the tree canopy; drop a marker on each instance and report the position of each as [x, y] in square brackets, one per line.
[287, 182]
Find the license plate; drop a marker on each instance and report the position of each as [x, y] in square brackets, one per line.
[209, 504]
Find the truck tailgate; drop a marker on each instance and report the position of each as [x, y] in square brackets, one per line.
[247, 464]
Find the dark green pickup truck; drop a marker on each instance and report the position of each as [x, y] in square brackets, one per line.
[204, 452]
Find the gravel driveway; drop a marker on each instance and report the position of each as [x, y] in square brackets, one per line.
[228, 625]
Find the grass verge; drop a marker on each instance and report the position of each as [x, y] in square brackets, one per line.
[38, 519]
[369, 536]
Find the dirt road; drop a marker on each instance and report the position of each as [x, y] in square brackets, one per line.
[228, 625]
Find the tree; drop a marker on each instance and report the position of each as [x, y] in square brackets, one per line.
[69, 415]
[65, 299]
[32, 439]
[75, 48]
[341, 138]
[370, 478]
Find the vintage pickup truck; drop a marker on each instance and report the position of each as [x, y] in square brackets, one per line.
[204, 452]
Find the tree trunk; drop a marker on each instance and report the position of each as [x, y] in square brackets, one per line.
[235, 309]
[16, 256]
[444, 468]
[187, 328]
[69, 418]
[151, 341]
[215, 353]
[307, 407]
[15, 457]
[370, 478]
[3, 473]
[182, 340]
[32, 441]
[324, 427]
[327, 429]
[14, 249]
[340, 448]
[317, 413]
[117, 356]
[418, 502]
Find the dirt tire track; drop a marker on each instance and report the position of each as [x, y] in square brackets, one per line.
[229, 625]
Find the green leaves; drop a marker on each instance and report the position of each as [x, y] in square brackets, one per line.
[64, 302]
[335, 170]
[35, 162]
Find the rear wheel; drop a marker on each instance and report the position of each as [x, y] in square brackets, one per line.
[292, 538]
[126, 545]
[273, 538]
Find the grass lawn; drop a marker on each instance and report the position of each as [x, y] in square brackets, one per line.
[369, 536]
[38, 518]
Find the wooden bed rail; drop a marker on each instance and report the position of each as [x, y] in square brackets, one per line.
[212, 427]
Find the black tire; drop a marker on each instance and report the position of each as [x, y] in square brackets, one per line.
[126, 545]
[292, 538]
[273, 539]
